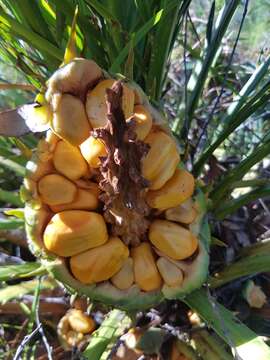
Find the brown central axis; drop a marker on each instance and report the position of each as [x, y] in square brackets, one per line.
[122, 182]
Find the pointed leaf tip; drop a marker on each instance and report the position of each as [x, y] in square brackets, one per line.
[71, 49]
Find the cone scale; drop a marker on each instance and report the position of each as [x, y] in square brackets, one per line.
[105, 193]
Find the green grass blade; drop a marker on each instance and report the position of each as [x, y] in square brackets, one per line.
[209, 27]
[31, 13]
[202, 68]
[10, 224]
[128, 15]
[18, 213]
[129, 65]
[140, 34]
[250, 183]
[105, 335]
[234, 120]
[15, 9]
[11, 272]
[250, 265]
[34, 39]
[12, 165]
[229, 207]
[222, 188]
[60, 25]
[10, 197]
[35, 305]
[262, 247]
[92, 36]
[162, 43]
[248, 345]
[102, 10]
[48, 13]
[11, 292]
[250, 86]
[144, 8]
[209, 346]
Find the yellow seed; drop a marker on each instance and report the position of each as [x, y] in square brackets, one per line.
[69, 120]
[146, 273]
[31, 186]
[166, 171]
[101, 263]
[138, 95]
[92, 149]
[73, 338]
[88, 185]
[44, 152]
[84, 200]
[96, 107]
[74, 231]
[161, 161]
[125, 276]
[81, 322]
[172, 239]
[37, 169]
[69, 161]
[176, 190]
[52, 140]
[37, 217]
[54, 189]
[143, 121]
[73, 78]
[184, 213]
[41, 115]
[170, 273]
[63, 326]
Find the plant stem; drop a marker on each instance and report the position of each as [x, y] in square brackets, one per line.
[244, 341]
[105, 335]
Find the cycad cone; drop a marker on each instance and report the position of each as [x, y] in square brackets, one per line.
[117, 254]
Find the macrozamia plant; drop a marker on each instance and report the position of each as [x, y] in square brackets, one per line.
[110, 209]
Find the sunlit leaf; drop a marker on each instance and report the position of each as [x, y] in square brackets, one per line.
[25, 270]
[11, 292]
[247, 344]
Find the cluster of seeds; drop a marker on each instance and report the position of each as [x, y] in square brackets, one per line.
[111, 197]
[75, 327]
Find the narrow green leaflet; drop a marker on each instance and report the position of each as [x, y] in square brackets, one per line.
[11, 292]
[254, 80]
[39, 42]
[18, 213]
[221, 189]
[30, 12]
[210, 346]
[105, 335]
[253, 260]
[231, 206]
[102, 10]
[134, 41]
[11, 223]
[250, 183]
[71, 50]
[29, 269]
[140, 34]
[241, 109]
[261, 247]
[162, 40]
[10, 197]
[202, 68]
[249, 266]
[248, 345]
[12, 165]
